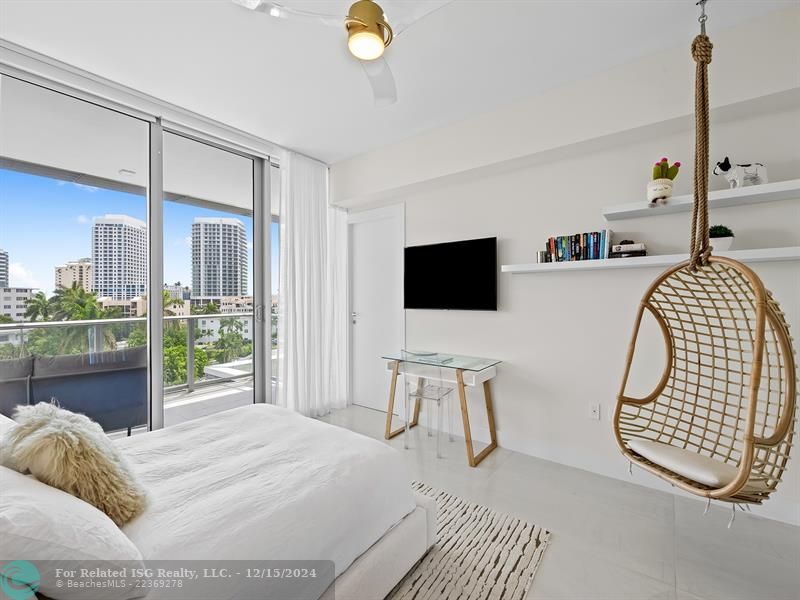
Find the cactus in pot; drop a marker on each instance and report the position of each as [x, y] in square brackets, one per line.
[660, 188]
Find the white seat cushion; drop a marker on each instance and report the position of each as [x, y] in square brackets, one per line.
[689, 464]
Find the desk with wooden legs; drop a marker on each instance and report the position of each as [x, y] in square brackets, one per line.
[457, 371]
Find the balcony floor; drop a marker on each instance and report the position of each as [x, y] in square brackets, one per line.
[183, 405]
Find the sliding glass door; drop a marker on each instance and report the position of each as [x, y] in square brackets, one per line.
[135, 264]
[73, 258]
[208, 320]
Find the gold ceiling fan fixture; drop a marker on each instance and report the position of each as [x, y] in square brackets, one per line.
[368, 33]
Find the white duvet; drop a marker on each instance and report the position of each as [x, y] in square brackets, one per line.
[261, 482]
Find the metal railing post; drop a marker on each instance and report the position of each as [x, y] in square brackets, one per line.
[190, 324]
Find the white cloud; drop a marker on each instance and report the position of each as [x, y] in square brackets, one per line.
[82, 220]
[188, 241]
[83, 186]
[19, 276]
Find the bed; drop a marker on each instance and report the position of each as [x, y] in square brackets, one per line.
[264, 483]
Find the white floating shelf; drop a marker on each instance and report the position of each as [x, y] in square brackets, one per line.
[756, 194]
[638, 262]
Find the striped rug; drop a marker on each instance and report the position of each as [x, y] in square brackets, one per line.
[479, 554]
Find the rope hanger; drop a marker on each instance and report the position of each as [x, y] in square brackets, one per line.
[700, 245]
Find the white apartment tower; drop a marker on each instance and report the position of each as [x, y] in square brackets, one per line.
[119, 257]
[3, 268]
[219, 258]
[14, 302]
[75, 271]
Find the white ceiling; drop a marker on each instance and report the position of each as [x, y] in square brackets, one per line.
[293, 83]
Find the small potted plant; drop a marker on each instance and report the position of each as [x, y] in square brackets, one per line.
[660, 188]
[721, 237]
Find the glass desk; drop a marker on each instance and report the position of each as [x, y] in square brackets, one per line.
[462, 371]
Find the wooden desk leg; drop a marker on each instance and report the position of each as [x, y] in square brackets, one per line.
[472, 458]
[389, 434]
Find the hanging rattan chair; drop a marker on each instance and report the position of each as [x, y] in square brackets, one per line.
[720, 421]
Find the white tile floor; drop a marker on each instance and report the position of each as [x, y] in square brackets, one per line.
[612, 540]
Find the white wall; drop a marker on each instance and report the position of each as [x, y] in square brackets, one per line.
[563, 336]
[756, 60]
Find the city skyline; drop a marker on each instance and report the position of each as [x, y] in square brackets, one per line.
[63, 213]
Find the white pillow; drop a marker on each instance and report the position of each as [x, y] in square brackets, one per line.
[53, 529]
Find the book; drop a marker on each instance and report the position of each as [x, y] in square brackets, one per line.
[627, 254]
[579, 246]
[606, 242]
[628, 247]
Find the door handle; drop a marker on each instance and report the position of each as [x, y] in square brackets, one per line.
[354, 315]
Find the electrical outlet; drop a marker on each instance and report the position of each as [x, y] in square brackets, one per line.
[594, 413]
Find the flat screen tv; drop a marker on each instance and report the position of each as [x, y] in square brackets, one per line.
[452, 276]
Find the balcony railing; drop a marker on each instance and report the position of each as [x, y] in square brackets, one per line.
[201, 351]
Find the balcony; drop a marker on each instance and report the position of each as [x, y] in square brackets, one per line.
[99, 367]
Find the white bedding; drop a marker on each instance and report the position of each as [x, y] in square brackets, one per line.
[261, 482]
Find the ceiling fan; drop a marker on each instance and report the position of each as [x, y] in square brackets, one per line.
[368, 35]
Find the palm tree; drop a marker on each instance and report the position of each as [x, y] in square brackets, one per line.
[76, 304]
[230, 325]
[208, 309]
[230, 345]
[169, 302]
[38, 307]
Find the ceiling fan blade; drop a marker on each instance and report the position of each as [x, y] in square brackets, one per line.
[382, 81]
[279, 11]
[413, 13]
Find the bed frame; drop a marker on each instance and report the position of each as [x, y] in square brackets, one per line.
[376, 572]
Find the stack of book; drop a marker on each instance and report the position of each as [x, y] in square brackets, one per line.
[579, 246]
[627, 250]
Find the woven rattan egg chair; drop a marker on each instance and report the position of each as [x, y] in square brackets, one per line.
[720, 421]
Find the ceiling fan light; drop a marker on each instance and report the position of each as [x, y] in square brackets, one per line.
[368, 33]
[365, 45]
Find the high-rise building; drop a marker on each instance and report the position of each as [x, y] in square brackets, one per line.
[14, 302]
[75, 271]
[3, 269]
[119, 257]
[219, 258]
[177, 291]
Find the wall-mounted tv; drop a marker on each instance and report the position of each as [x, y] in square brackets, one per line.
[452, 276]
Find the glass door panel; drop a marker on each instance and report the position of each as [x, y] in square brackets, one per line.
[73, 256]
[208, 288]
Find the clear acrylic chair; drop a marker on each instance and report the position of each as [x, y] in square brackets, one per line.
[433, 394]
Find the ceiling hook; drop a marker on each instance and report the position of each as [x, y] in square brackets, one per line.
[703, 17]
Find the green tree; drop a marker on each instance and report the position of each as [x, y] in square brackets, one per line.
[38, 307]
[169, 303]
[76, 304]
[175, 363]
[137, 337]
[230, 325]
[230, 346]
[209, 309]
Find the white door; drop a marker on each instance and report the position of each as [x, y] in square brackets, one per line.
[377, 323]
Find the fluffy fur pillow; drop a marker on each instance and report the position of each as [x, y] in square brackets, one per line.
[71, 452]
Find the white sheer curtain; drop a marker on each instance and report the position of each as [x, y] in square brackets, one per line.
[312, 304]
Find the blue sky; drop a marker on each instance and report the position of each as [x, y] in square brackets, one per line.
[45, 222]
